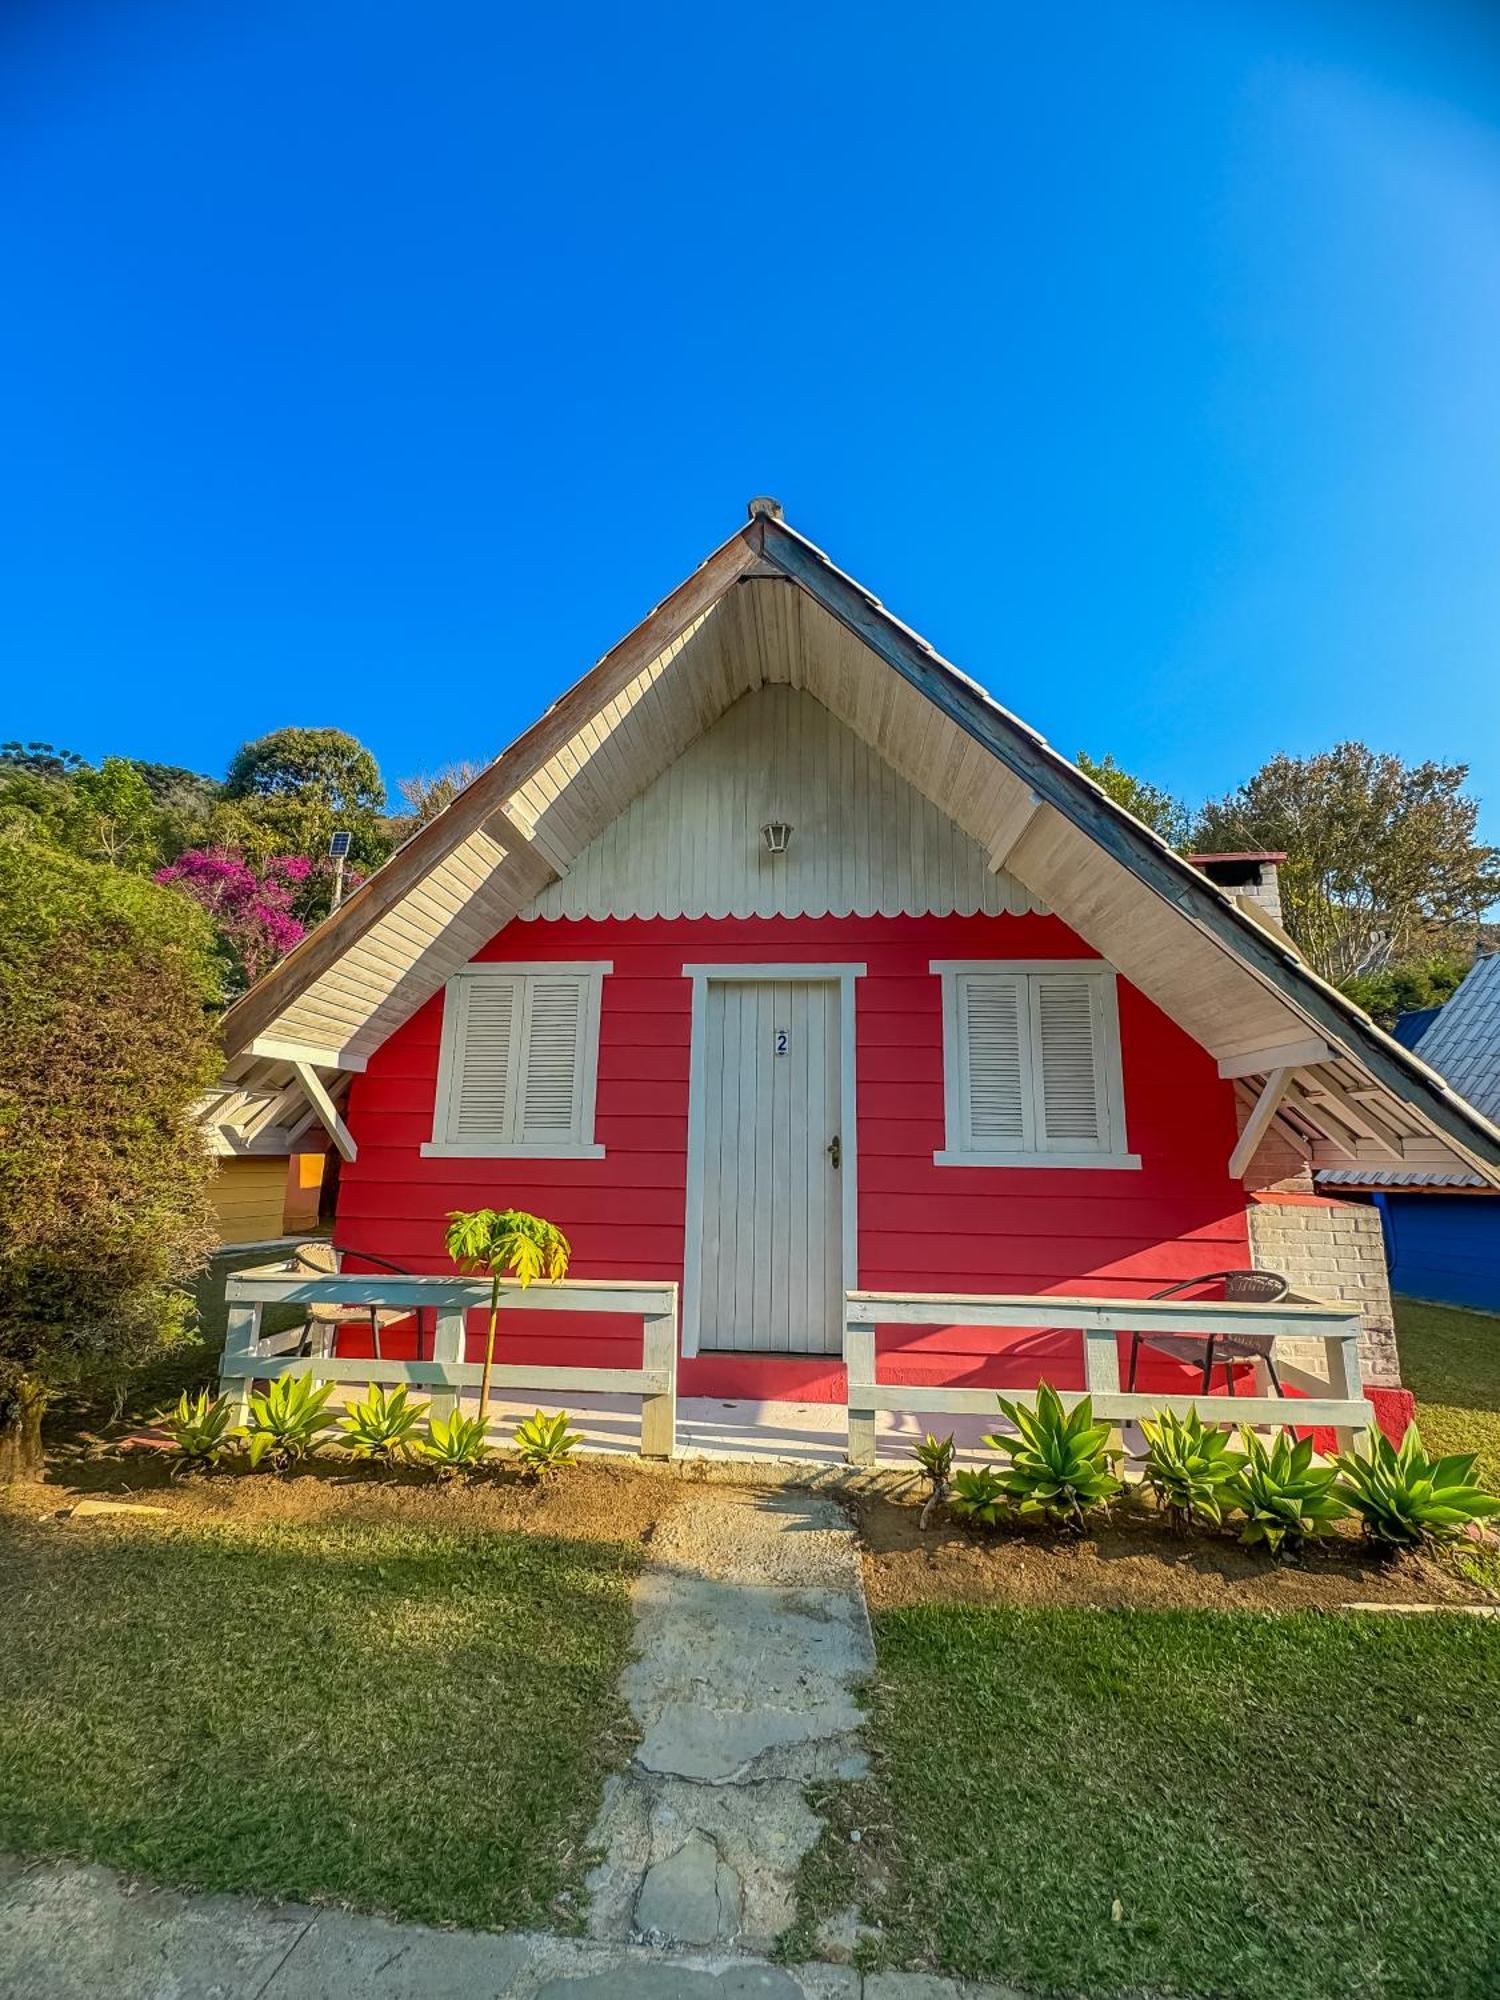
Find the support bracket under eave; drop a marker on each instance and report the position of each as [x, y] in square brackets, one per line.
[1259, 1122]
[326, 1109]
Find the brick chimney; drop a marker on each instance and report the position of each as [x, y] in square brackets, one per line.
[1249, 878]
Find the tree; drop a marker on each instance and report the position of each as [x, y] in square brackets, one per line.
[289, 790]
[427, 796]
[111, 816]
[1383, 863]
[254, 912]
[105, 1042]
[505, 1242]
[1153, 806]
[1407, 988]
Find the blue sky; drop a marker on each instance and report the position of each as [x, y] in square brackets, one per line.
[381, 365]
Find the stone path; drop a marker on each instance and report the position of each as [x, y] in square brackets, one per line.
[751, 1632]
[751, 1637]
[70, 1933]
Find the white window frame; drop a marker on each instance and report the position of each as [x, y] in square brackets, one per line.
[957, 1152]
[442, 1146]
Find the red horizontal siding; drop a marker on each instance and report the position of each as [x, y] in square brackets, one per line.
[921, 1227]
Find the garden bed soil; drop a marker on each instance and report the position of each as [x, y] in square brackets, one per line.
[1131, 1562]
[593, 1501]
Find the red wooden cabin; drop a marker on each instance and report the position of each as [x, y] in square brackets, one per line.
[778, 961]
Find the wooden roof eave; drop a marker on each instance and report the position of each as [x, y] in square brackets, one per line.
[1031, 759]
[486, 796]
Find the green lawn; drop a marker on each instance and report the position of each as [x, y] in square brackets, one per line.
[1270, 1807]
[390, 1703]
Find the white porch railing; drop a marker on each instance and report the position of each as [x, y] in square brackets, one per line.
[249, 1358]
[1334, 1400]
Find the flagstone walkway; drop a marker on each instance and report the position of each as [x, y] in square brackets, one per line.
[752, 1638]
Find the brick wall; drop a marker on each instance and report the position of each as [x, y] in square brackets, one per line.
[1333, 1249]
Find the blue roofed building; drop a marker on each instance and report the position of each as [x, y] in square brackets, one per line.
[1442, 1230]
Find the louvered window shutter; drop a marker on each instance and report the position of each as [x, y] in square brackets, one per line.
[1071, 1113]
[552, 1061]
[488, 1052]
[993, 1063]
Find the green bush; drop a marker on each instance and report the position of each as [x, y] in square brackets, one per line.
[1189, 1466]
[543, 1444]
[1404, 1498]
[1059, 1465]
[1285, 1498]
[455, 1444]
[106, 1040]
[384, 1426]
[200, 1428]
[978, 1496]
[286, 1420]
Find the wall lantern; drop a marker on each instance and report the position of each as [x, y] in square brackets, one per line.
[776, 833]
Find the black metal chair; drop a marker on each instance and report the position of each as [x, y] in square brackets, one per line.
[323, 1260]
[1215, 1350]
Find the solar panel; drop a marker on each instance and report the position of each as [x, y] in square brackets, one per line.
[338, 846]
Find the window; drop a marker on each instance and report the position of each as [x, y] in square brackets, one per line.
[519, 1061]
[1031, 1066]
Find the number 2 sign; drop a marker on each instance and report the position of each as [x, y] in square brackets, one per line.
[783, 1041]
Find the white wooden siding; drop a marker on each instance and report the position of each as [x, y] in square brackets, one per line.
[771, 1272]
[864, 842]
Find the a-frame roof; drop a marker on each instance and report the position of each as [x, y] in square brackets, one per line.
[768, 606]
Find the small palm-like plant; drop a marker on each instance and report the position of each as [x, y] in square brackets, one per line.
[286, 1420]
[506, 1243]
[201, 1430]
[543, 1444]
[1059, 1465]
[1189, 1465]
[1285, 1498]
[935, 1456]
[978, 1496]
[384, 1426]
[455, 1444]
[1404, 1498]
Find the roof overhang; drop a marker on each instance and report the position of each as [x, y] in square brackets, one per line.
[768, 605]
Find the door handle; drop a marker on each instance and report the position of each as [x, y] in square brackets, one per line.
[835, 1151]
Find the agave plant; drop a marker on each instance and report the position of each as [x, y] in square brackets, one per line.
[455, 1444]
[286, 1420]
[935, 1456]
[543, 1444]
[1285, 1498]
[1404, 1498]
[978, 1496]
[1189, 1466]
[505, 1242]
[1059, 1464]
[201, 1430]
[384, 1426]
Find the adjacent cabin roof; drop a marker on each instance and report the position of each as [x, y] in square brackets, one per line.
[1461, 1040]
[767, 608]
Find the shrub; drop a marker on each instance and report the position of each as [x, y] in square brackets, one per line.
[543, 1444]
[455, 1444]
[383, 1426]
[1189, 1466]
[105, 1043]
[935, 1456]
[1285, 1498]
[286, 1420]
[200, 1429]
[1404, 1498]
[1059, 1465]
[978, 1496]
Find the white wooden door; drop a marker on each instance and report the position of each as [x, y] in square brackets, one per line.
[771, 1274]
